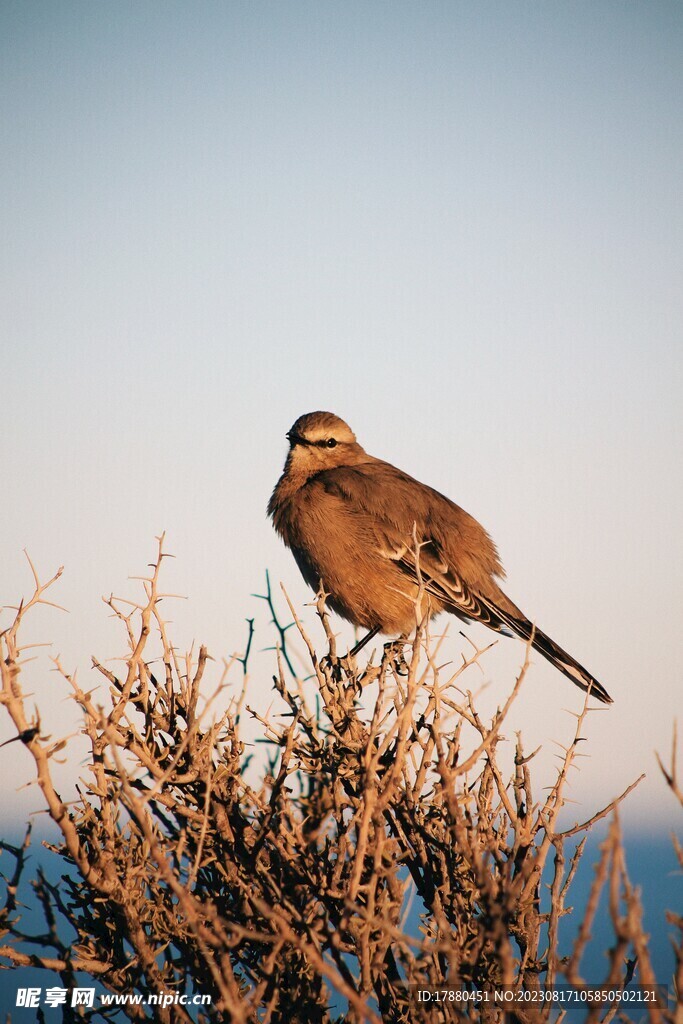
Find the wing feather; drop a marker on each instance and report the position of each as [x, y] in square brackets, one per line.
[458, 561]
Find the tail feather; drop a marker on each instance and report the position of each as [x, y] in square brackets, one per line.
[569, 666]
[558, 657]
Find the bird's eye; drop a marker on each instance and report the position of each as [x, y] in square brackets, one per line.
[331, 443]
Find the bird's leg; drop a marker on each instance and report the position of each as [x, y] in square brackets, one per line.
[346, 660]
[394, 648]
[361, 643]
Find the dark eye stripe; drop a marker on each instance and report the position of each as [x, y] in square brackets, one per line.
[330, 442]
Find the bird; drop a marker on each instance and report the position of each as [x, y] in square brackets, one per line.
[386, 548]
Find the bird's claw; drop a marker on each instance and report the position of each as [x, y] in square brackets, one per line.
[338, 667]
[393, 651]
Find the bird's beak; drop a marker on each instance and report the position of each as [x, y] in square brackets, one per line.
[294, 438]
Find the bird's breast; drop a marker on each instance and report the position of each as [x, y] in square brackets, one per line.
[342, 548]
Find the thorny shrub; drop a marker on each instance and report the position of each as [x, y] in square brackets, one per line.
[379, 854]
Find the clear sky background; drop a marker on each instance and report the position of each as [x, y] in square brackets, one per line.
[456, 225]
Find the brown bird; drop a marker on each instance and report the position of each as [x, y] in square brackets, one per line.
[351, 522]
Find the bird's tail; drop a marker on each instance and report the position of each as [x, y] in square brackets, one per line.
[569, 666]
[541, 642]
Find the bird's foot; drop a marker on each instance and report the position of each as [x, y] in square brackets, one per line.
[393, 652]
[340, 669]
[330, 665]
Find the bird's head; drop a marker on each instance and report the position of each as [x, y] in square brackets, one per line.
[319, 441]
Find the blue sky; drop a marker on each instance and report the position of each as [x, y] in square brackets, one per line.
[456, 225]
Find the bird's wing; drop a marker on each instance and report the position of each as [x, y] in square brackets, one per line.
[455, 560]
[393, 497]
[435, 543]
[429, 569]
[496, 612]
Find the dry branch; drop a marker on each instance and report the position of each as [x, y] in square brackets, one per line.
[381, 853]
